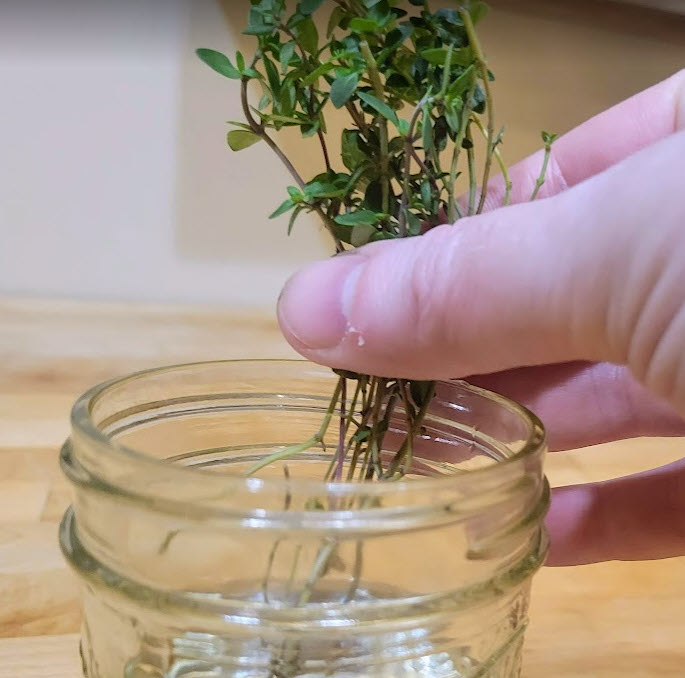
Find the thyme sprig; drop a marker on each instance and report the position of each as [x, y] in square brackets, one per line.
[416, 89]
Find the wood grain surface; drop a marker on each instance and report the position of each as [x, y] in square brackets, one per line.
[614, 620]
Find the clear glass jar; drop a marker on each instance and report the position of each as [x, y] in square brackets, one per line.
[192, 569]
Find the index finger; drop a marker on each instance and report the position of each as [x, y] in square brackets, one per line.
[599, 143]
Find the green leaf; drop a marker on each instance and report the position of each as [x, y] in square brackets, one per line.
[438, 56]
[308, 7]
[352, 155]
[451, 115]
[286, 206]
[403, 127]
[272, 75]
[414, 224]
[288, 97]
[264, 101]
[427, 195]
[361, 234]
[285, 55]
[337, 15]
[367, 217]
[293, 216]
[295, 194]
[218, 62]
[373, 196]
[361, 435]
[240, 61]
[478, 10]
[382, 235]
[309, 130]
[308, 36]
[379, 106]
[285, 118]
[421, 391]
[318, 72]
[240, 138]
[462, 83]
[360, 25]
[548, 138]
[242, 125]
[343, 88]
[318, 189]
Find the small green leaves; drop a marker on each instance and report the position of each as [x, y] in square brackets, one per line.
[364, 25]
[376, 60]
[218, 62]
[336, 18]
[318, 72]
[286, 54]
[343, 88]
[352, 154]
[548, 138]
[308, 36]
[295, 194]
[379, 106]
[462, 83]
[413, 223]
[438, 56]
[319, 189]
[361, 234]
[308, 7]
[291, 222]
[285, 206]
[421, 392]
[367, 217]
[238, 139]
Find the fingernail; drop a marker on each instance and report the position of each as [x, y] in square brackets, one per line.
[313, 305]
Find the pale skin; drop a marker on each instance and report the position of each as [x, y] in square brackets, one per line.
[574, 305]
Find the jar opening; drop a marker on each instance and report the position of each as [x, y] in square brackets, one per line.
[207, 423]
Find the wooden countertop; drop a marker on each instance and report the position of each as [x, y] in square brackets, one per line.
[614, 620]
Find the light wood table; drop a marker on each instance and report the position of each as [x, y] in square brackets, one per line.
[614, 620]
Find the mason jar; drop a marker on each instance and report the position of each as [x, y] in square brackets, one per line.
[192, 567]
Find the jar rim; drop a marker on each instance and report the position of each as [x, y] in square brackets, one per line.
[83, 423]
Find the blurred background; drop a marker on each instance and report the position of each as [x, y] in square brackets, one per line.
[115, 179]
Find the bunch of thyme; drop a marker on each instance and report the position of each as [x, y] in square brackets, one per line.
[417, 90]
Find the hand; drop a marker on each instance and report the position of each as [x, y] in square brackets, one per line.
[573, 305]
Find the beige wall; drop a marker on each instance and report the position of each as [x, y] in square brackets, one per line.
[115, 180]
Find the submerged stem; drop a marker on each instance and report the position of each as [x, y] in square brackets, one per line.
[316, 439]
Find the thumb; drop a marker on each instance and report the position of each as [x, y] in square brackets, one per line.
[589, 274]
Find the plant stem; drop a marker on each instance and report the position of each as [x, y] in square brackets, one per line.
[358, 119]
[356, 571]
[453, 206]
[340, 454]
[485, 77]
[377, 85]
[257, 128]
[472, 171]
[408, 148]
[500, 162]
[316, 439]
[543, 172]
[320, 565]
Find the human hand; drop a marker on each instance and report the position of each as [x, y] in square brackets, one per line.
[573, 305]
